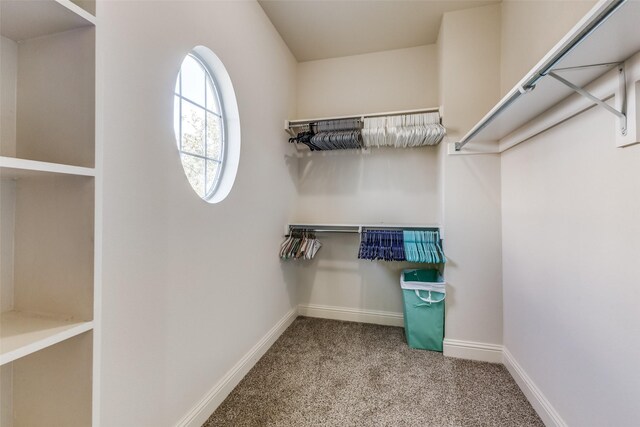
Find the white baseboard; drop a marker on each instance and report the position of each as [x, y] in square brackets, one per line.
[472, 350]
[540, 403]
[205, 407]
[351, 314]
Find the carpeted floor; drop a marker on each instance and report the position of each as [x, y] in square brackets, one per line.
[330, 373]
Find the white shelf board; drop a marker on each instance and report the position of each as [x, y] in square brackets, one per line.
[355, 226]
[358, 227]
[22, 333]
[615, 40]
[11, 167]
[26, 19]
[355, 116]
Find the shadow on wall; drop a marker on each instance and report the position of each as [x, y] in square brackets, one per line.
[350, 172]
[290, 277]
[380, 185]
[336, 277]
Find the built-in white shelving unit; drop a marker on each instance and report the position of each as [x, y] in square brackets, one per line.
[609, 34]
[48, 221]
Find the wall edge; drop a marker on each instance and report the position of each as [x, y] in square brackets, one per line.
[534, 395]
[202, 410]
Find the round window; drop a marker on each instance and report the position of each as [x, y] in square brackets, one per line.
[206, 124]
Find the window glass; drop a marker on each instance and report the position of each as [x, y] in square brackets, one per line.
[199, 126]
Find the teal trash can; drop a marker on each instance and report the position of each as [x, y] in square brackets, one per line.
[423, 294]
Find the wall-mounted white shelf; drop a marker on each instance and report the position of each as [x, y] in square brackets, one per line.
[25, 19]
[11, 167]
[23, 333]
[291, 123]
[608, 34]
[357, 228]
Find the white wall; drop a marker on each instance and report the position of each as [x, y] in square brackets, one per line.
[530, 28]
[382, 185]
[400, 79]
[189, 287]
[571, 239]
[570, 244]
[469, 44]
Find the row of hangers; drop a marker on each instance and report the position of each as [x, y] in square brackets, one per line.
[300, 244]
[423, 246]
[337, 140]
[386, 245]
[399, 131]
[420, 246]
[403, 131]
[402, 245]
[340, 134]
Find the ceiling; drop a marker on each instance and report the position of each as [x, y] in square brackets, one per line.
[320, 29]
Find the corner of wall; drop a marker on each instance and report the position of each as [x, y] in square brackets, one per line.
[469, 54]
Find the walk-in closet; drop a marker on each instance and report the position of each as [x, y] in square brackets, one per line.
[334, 213]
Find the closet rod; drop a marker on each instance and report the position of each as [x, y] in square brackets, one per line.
[356, 229]
[545, 68]
[324, 230]
[304, 122]
[319, 228]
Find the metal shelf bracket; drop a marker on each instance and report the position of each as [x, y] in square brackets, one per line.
[621, 93]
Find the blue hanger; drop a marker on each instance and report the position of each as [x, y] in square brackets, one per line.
[422, 249]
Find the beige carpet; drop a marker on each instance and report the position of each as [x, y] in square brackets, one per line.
[330, 373]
